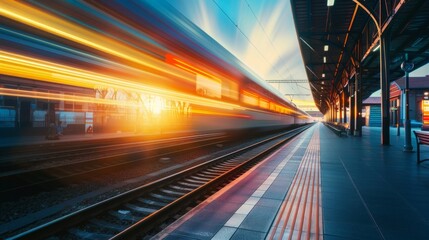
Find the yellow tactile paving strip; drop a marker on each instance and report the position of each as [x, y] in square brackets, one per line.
[300, 215]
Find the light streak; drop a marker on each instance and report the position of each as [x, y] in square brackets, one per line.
[63, 97]
[215, 113]
[156, 105]
[26, 67]
[46, 22]
[180, 63]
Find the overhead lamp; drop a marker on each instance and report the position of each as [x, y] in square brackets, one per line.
[323, 82]
[324, 59]
[323, 75]
[376, 48]
[330, 3]
[326, 48]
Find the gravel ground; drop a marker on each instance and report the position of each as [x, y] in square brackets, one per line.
[28, 212]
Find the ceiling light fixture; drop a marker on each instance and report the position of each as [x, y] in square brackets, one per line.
[376, 48]
[326, 48]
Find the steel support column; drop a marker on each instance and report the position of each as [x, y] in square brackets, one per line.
[358, 103]
[385, 86]
[344, 106]
[352, 107]
[334, 108]
[340, 107]
[407, 67]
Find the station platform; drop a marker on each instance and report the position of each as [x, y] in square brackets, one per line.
[320, 186]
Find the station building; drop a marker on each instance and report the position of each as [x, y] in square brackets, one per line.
[418, 90]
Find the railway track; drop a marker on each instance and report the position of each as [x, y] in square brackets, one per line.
[141, 211]
[14, 153]
[88, 162]
[39, 157]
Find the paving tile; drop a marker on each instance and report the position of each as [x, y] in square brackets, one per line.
[223, 206]
[224, 233]
[184, 236]
[276, 192]
[259, 219]
[331, 237]
[236, 220]
[350, 230]
[268, 202]
[350, 215]
[244, 234]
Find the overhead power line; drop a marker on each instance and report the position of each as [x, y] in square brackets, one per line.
[287, 81]
[239, 29]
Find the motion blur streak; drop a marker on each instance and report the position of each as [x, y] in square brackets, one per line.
[63, 97]
[46, 22]
[83, 99]
[206, 112]
[180, 63]
[26, 67]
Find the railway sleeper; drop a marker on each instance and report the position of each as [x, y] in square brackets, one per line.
[228, 164]
[211, 173]
[196, 180]
[218, 168]
[88, 235]
[171, 192]
[181, 188]
[105, 224]
[126, 216]
[142, 210]
[162, 198]
[150, 202]
[202, 177]
[208, 176]
[231, 161]
[189, 184]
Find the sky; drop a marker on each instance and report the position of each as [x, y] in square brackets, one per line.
[259, 33]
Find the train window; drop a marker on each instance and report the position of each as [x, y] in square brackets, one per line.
[230, 89]
[264, 103]
[208, 87]
[7, 117]
[249, 98]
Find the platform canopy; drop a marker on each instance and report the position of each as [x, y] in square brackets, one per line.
[339, 40]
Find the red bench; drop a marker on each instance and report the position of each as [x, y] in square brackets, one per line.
[422, 138]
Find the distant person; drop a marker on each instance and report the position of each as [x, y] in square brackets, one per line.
[60, 128]
[89, 129]
[52, 132]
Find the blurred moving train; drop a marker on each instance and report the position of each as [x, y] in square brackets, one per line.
[124, 66]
